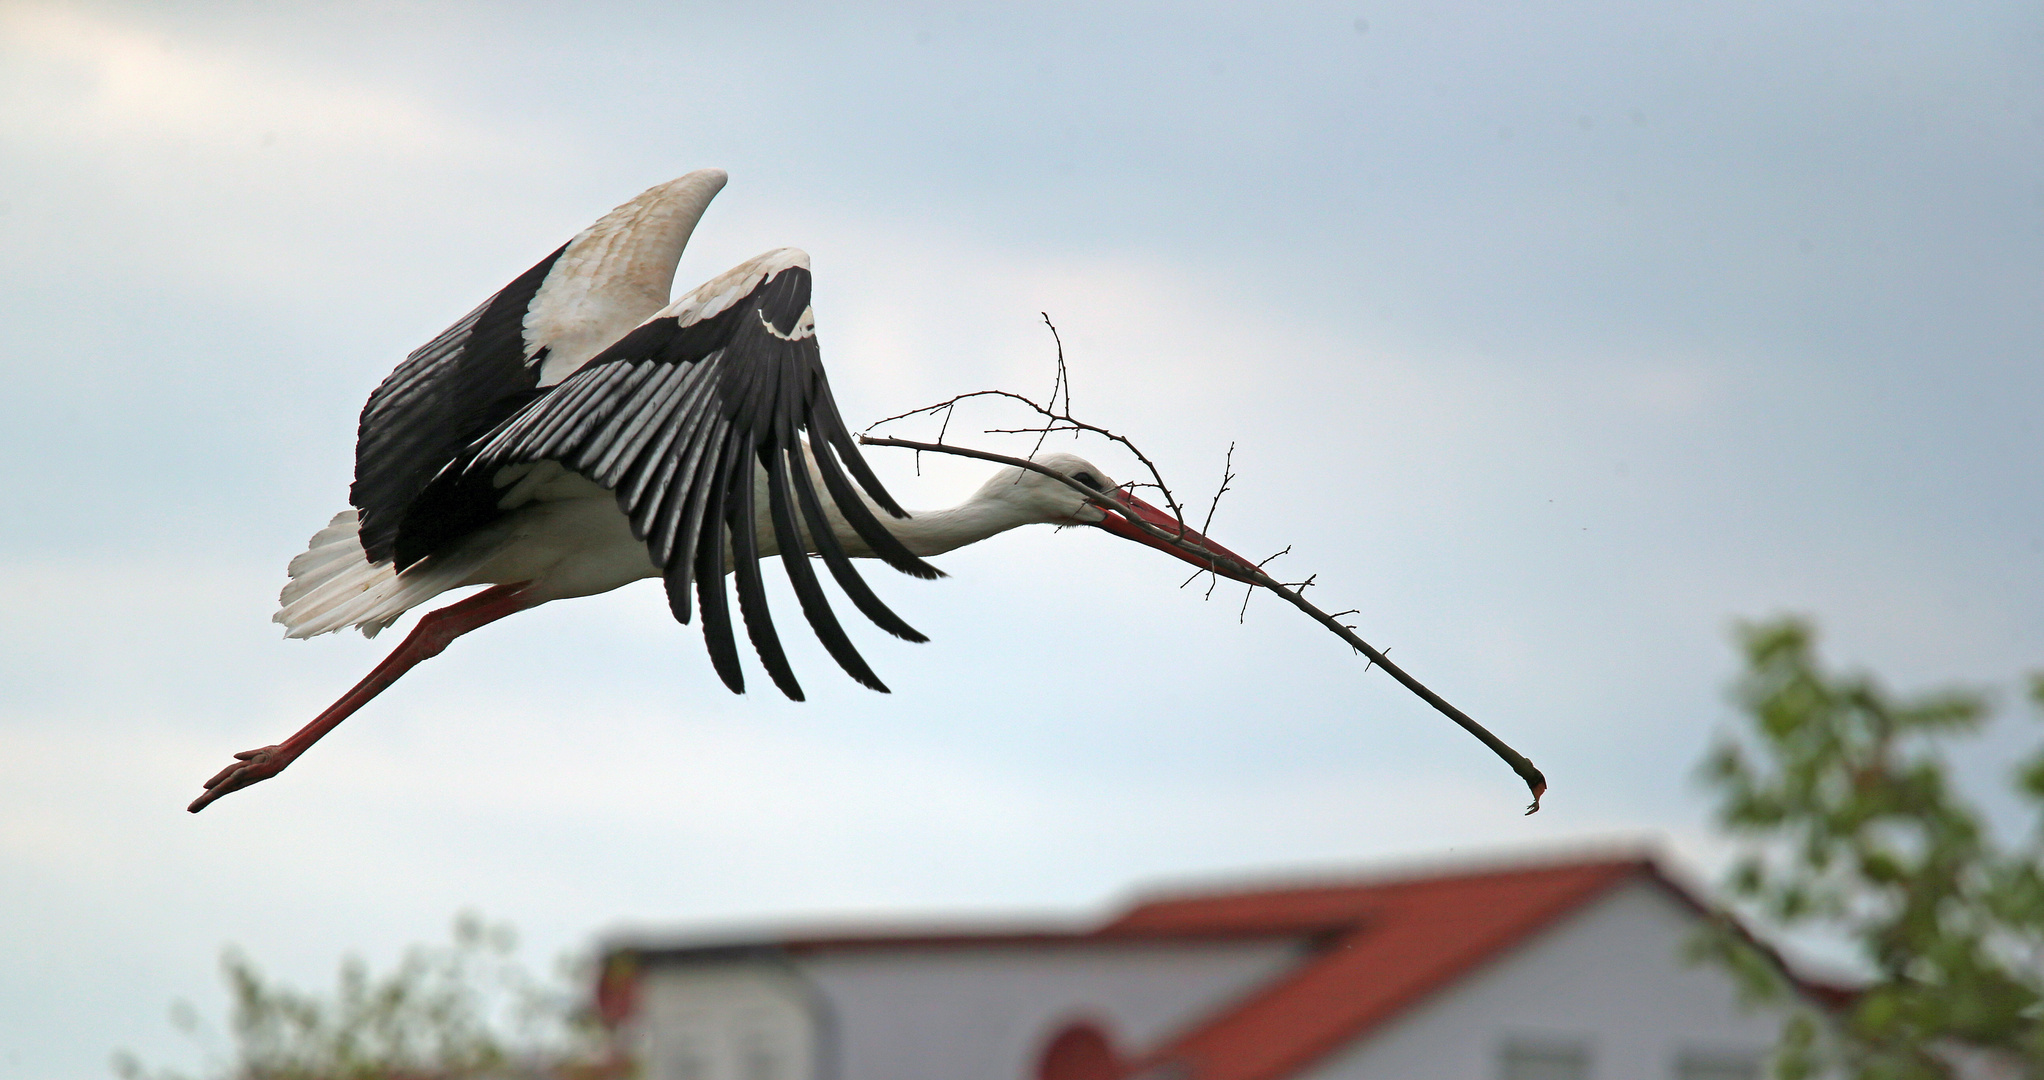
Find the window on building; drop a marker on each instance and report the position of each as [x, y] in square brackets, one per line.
[1718, 1065]
[1545, 1059]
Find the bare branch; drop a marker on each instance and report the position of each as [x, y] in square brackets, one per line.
[1227, 476]
[1242, 616]
[1064, 379]
[1110, 501]
[1056, 418]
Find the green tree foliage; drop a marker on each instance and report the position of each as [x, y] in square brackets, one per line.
[462, 1010]
[1850, 827]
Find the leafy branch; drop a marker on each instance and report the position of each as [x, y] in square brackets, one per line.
[1849, 822]
[462, 1010]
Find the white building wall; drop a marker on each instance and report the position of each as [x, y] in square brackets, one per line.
[985, 1013]
[728, 1020]
[1610, 975]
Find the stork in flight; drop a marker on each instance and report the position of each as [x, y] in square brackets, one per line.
[576, 433]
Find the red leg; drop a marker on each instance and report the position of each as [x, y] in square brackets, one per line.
[427, 639]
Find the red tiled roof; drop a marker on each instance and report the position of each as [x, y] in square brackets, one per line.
[1392, 943]
[1377, 948]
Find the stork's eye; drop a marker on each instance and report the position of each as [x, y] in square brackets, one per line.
[1087, 479]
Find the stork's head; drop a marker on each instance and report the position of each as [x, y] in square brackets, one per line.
[1033, 496]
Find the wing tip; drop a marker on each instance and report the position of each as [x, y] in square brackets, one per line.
[713, 178]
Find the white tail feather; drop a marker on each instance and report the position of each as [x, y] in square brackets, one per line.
[334, 586]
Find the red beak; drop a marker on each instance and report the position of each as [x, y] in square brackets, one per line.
[1152, 516]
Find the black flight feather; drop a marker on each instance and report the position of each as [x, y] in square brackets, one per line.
[709, 571]
[802, 576]
[752, 602]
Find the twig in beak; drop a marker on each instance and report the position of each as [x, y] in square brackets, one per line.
[1225, 562]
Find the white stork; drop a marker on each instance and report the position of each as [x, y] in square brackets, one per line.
[576, 432]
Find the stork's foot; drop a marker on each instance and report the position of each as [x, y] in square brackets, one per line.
[250, 767]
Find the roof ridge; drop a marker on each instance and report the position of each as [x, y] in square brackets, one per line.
[1412, 870]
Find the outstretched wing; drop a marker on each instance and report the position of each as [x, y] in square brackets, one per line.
[674, 418]
[496, 360]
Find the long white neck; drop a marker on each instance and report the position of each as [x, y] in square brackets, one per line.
[934, 532]
[994, 509]
[1000, 504]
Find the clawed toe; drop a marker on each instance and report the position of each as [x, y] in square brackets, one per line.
[250, 767]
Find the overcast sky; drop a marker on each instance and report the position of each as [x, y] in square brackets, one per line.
[1553, 337]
